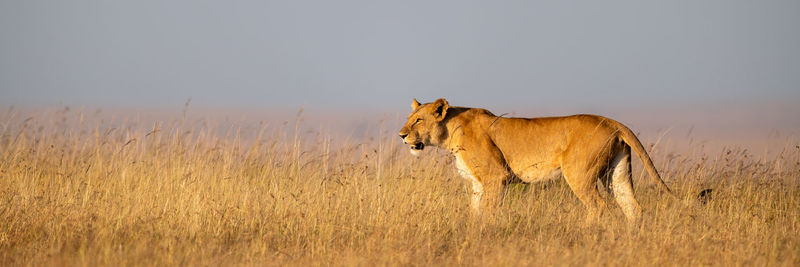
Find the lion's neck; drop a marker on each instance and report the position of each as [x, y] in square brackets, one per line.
[461, 122]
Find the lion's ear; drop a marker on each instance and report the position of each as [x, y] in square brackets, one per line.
[414, 104]
[440, 109]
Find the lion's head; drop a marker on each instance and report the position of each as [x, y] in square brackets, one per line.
[425, 125]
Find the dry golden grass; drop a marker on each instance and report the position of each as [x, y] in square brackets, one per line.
[75, 190]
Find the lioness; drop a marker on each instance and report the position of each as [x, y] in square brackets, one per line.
[492, 151]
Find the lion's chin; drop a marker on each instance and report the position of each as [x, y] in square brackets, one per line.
[415, 152]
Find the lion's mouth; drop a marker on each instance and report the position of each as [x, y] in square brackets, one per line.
[418, 146]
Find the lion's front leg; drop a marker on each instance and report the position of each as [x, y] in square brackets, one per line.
[486, 197]
[477, 197]
[491, 195]
[487, 177]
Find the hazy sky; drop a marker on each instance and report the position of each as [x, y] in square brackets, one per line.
[374, 54]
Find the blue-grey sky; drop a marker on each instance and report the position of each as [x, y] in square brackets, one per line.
[375, 54]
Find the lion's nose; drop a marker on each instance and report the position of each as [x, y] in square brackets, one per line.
[403, 136]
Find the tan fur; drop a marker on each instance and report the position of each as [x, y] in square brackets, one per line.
[492, 151]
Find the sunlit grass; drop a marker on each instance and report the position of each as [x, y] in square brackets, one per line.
[78, 190]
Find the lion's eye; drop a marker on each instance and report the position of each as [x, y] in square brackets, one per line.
[418, 120]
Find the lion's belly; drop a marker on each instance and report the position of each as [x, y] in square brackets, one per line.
[541, 175]
[536, 173]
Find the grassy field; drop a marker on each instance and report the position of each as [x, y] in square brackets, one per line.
[78, 190]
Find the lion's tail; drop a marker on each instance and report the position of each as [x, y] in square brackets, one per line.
[629, 138]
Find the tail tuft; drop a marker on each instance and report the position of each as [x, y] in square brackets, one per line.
[704, 196]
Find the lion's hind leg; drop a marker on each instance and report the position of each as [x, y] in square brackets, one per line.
[583, 182]
[622, 185]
